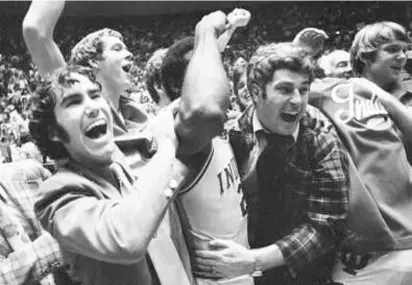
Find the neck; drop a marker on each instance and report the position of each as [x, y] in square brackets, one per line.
[388, 86]
[101, 169]
[111, 92]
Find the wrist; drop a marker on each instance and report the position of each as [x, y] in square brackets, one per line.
[257, 268]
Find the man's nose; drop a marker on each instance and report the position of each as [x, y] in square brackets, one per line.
[92, 112]
[296, 98]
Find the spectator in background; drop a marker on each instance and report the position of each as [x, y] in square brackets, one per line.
[28, 149]
[153, 77]
[242, 96]
[336, 64]
[311, 40]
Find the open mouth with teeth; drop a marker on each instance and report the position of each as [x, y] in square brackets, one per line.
[289, 117]
[96, 129]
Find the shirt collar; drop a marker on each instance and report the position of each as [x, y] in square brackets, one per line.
[257, 126]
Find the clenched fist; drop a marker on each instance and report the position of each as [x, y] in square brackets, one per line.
[238, 18]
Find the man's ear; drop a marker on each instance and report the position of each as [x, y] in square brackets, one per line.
[94, 63]
[158, 87]
[53, 134]
[255, 92]
[367, 60]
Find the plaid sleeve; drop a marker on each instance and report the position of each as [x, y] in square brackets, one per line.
[327, 204]
[34, 262]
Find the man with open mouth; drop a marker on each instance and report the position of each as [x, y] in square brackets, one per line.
[294, 174]
[195, 124]
[374, 121]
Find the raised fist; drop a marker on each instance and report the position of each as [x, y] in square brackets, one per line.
[238, 18]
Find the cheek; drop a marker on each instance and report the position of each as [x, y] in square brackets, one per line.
[63, 134]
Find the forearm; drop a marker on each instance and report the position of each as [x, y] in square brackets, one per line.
[112, 230]
[269, 256]
[31, 263]
[304, 245]
[152, 202]
[43, 15]
[205, 95]
[224, 38]
[38, 28]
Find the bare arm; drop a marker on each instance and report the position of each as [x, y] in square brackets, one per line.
[205, 92]
[38, 28]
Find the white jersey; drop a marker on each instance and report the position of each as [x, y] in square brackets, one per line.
[213, 205]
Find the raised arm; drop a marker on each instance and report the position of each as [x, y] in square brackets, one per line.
[38, 28]
[205, 92]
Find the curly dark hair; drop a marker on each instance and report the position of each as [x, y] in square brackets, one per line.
[153, 75]
[42, 119]
[174, 67]
[271, 57]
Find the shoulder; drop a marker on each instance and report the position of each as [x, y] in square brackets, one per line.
[64, 178]
[60, 189]
[323, 88]
[66, 184]
[132, 110]
[322, 134]
[316, 121]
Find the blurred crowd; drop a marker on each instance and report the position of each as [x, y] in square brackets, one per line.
[271, 22]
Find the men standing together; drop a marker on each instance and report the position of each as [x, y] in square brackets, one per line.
[175, 199]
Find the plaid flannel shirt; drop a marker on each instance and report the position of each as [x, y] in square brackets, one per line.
[316, 173]
[18, 188]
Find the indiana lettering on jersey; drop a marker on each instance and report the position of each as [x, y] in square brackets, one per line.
[353, 105]
[229, 177]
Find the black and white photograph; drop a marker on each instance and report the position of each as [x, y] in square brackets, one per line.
[205, 142]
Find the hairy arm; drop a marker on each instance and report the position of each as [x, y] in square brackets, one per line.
[38, 28]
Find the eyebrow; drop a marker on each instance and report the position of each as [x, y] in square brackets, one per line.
[290, 83]
[118, 45]
[69, 97]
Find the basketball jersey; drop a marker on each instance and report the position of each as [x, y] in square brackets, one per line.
[380, 176]
[213, 206]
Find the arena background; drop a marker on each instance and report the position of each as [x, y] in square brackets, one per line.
[149, 25]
